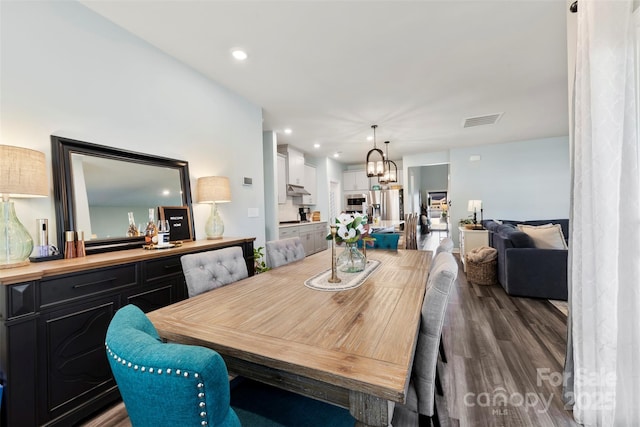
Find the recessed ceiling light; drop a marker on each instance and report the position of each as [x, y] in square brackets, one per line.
[336, 154]
[369, 138]
[316, 145]
[239, 54]
[288, 131]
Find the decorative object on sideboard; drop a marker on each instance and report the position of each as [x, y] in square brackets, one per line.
[151, 231]
[85, 171]
[375, 158]
[80, 248]
[179, 222]
[390, 169]
[475, 206]
[69, 244]
[163, 232]
[214, 189]
[44, 251]
[23, 173]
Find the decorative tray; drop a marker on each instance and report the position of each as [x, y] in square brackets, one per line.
[169, 246]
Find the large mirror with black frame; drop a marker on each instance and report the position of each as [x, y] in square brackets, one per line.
[96, 187]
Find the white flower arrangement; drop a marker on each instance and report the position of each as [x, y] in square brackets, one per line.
[350, 227]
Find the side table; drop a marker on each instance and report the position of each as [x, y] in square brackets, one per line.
[471, 239]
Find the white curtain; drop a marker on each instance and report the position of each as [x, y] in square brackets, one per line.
[603, 354]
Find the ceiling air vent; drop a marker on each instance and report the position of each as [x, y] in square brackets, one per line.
[489, 119]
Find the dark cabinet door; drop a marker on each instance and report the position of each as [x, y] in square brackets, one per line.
[156, 298]
[73, 368]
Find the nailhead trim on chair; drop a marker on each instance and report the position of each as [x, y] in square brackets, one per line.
[178, 372]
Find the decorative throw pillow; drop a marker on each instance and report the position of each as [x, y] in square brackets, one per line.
[548, 236]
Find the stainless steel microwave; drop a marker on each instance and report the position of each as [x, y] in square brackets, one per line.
[353, 202]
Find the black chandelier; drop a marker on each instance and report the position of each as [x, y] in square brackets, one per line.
[375, 158]
[390, 169]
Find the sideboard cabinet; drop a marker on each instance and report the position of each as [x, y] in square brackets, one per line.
[54, 316]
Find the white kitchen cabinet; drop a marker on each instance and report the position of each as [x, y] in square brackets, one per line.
[295, 165]
[308, 239]
[289, 232]
[310, 184]
[355, 180]
[312, 235]
[282, 179]
[320, 233]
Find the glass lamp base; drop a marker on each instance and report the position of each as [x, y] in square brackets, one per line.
[214, 228]
[16, 243]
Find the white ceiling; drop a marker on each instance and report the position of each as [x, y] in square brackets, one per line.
[330, 69]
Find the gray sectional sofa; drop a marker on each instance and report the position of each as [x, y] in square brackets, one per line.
[523, 269]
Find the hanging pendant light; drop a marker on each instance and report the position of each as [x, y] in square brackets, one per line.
[375, 158]
[390, 169]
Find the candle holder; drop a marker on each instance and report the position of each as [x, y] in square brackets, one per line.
[334, 273]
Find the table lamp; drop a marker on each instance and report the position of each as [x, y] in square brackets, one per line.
[474, 206]
[23, 173]
[214, 189]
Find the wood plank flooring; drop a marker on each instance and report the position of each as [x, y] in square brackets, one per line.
[504, 356]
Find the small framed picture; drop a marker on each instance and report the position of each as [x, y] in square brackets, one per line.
[179, 222]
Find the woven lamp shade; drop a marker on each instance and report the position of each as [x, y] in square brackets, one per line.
[213, 189]
[23, 172]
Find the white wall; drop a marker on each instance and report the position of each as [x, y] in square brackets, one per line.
[523, 180]
[270, 161]
[67, 71]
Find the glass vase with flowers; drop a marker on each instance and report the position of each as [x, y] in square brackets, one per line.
[350, 229]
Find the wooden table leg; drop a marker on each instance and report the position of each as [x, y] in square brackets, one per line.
[369, 411]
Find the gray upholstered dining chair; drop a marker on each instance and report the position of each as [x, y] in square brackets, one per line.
[283, 251]
[446, 245]
[209, 270]
[420, 401]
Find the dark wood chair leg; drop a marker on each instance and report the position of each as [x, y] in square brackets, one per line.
[438, 383]
[443, 355]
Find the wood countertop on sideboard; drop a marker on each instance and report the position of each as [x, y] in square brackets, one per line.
[40, 270]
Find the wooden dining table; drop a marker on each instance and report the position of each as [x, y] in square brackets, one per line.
[351, 348]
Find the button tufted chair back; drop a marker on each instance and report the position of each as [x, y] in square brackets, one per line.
[446, 245]
[209, 270]
[386, 241]
[166, 384]
[284, 251]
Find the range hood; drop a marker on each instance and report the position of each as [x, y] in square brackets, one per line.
[296, 190]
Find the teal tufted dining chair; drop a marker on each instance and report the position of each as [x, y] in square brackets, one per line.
[166, 384]
[169, 385]
[388, 241]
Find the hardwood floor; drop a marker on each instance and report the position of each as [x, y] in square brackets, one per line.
[504, 355]
[505, 358]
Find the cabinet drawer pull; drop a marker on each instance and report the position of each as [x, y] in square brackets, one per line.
[84, 285]
[169, 267]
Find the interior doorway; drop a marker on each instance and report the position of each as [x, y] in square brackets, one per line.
[429, 195]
